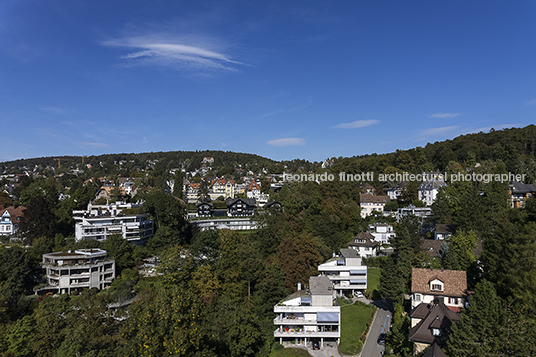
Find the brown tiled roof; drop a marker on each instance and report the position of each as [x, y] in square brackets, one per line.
[369, 198]
[363, 239]
[431, 246]
[439, 316]
[253, 186]
[434, 351]
[16, 213]
[454, 282]
[445, 228]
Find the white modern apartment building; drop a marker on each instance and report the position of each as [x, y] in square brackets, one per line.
[309, 315]
[101, 221]
[76, 270]
[345, 272]
[382, 232]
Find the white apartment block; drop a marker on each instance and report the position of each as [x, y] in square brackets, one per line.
[345, 272]
[428, 190]
[382, 232]
[76, 270]
[101, 221]
[307, 315]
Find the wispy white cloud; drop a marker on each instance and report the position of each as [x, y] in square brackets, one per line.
[187, 53]
[356, 124]
[287, 142]
[97, 145]
[54, 110]
[530, 102]
[426, 134]
[443, 115]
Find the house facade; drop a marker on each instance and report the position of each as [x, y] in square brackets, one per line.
[437, 298]
[364, 244]
[240, 207]
[395, 192]
[382, 232]
[76, 270]
[204, 209]
[99, 222]
[191, 192]
[370, 203]
[428, 190]
[519, 192]
[309, 314]
[9, 219]
[345, 272]
[222, 188]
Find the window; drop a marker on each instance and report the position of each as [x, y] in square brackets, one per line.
[437, 287]
[436, 332]
[452, 300]
[417, 297]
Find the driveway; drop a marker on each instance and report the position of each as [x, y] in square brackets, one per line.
[381, 324]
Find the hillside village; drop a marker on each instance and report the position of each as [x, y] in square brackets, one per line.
[255, 263]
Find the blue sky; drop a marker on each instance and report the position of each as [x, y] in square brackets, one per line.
[282, 79]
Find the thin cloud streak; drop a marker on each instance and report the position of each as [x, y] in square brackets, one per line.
[287, 142]
[356, 124]
[443, 115]
[435, 132]
[173, 51]
[97, 145]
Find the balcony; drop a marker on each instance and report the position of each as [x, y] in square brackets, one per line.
[296, 320]
[290, 333]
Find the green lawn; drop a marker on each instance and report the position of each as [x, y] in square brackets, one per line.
[373, 280]
[354, 319]
[290, 352]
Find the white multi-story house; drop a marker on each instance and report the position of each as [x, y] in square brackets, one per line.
[345, 272]
[101, 221]
[76, 270]
[421, 212]
[382, 232]
[370, 203]
[428, 190]
[191, 192]
[364, 244]
[395, 192]
[309, 314]
[253, 190]
[9, 219]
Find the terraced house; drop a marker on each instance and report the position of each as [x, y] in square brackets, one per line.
[99, 222]
[77, 270]
[310, 314]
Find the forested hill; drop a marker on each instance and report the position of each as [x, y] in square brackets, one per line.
[172, 159]
[515, 148]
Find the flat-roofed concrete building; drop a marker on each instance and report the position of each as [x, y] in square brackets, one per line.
[307, 315]
[345, 272]
[99, 222]
[77, 270]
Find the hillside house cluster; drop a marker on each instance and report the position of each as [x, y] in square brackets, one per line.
[227, 189]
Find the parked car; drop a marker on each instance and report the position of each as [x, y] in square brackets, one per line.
[358, 294]
[381, 338]
[316, 346]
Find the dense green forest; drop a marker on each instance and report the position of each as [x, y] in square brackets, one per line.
[216, 289]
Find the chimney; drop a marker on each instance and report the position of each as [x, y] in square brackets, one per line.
[299, 286]
[441, 269]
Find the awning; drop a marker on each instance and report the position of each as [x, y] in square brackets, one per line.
[327, 317]
[358, 272]
[358, 281]
[305, 300]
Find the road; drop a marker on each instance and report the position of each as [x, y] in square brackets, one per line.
[381, 323]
